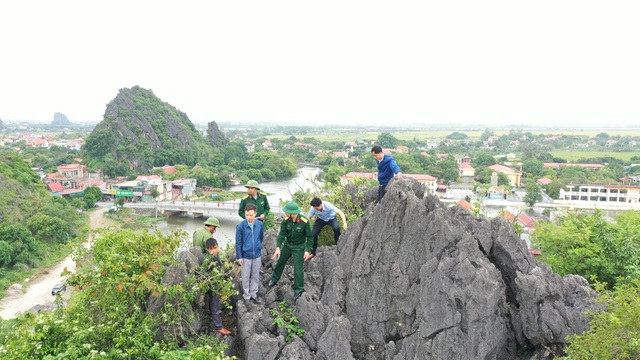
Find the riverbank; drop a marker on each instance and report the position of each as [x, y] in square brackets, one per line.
[38, 288]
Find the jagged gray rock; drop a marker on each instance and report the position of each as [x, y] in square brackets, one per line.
[215, 136]
[414, 279]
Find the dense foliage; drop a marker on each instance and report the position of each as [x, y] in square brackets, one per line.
[614, 331]
[33, 224]
[111, 315]
[593, 247]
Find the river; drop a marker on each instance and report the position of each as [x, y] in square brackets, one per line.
[278, 191]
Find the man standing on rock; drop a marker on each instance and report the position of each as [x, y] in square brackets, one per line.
[201, 235]
[295, 239]
[387, 169]
[326, 213]
[249, 236]
[257, 198]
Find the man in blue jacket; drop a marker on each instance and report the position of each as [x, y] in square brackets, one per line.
[387, 169]
[249, 236]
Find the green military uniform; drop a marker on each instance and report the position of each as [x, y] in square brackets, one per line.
[294, 239]
[201, 235]
[260, 202]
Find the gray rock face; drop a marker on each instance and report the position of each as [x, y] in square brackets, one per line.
[215, 136]
[414, 279]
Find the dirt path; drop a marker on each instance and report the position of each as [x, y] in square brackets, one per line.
[39, 288]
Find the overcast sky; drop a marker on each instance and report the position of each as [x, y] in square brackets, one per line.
[368, 62]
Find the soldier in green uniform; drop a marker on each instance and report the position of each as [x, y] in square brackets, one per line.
[257, 198]
[201, 235]
[295, 239]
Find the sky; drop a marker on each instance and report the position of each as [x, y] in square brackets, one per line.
[534, 63]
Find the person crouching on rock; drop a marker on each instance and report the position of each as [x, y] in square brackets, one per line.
[326, 213]
[294, 239]
[212, 261]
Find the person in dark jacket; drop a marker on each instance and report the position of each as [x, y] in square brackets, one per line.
[212, 263]
[249, 236]
[387, 169]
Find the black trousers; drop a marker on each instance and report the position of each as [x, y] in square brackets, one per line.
[381, 191]
[317, 227]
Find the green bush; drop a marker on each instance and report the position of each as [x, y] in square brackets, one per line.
[107, 316]
[614, 331]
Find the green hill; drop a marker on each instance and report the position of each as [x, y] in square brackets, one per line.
[140, 131]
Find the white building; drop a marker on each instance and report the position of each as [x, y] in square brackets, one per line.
[601, 193]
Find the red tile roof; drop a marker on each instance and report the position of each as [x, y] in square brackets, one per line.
[420, 177]
[544, 181]
[502, 168]
[353, 175]
[465, 204]
[55, 187]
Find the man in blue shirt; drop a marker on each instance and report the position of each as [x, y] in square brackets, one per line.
[326, 213]
[387, 169]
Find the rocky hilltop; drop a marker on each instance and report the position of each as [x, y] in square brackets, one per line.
[60, 119]
[143, 131]
[414, 279]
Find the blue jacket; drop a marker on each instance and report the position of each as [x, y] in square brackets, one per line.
[387, 167]
[248, 241]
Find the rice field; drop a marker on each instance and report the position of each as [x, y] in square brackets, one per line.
[572, 156]
[367, 134]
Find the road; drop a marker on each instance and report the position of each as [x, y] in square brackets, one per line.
[38, 289]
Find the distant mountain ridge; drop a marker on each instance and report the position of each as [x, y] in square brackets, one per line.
[141, 131]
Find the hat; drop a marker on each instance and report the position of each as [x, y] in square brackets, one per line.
[253, 184]
[212, 222]
[291, 208]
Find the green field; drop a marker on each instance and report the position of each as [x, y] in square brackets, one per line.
[573, 156]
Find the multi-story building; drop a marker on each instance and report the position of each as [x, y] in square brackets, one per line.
[601, 193]
[515, 176]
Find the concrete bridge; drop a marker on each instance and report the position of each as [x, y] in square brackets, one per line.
[197, 208]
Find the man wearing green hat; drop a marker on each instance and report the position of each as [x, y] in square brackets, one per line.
[295, 239]
[257, 198]
[201, 235]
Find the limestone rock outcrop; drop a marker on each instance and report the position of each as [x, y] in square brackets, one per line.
[415, 279]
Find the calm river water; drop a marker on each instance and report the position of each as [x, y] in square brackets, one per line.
[278, 191]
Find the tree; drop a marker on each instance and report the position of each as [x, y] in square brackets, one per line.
[457, 136]
[592, 247]
[386, 140]
[448, 169]
[91, 196]
[49, 229]
[533, 193]
[483, 176]
[483, 159]
[154, 193]
[533, 167]
[119, 202]
[25, 248]
[553, 189]
[333, 173]
[488, 132]
[573, 174]
[614, 329]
